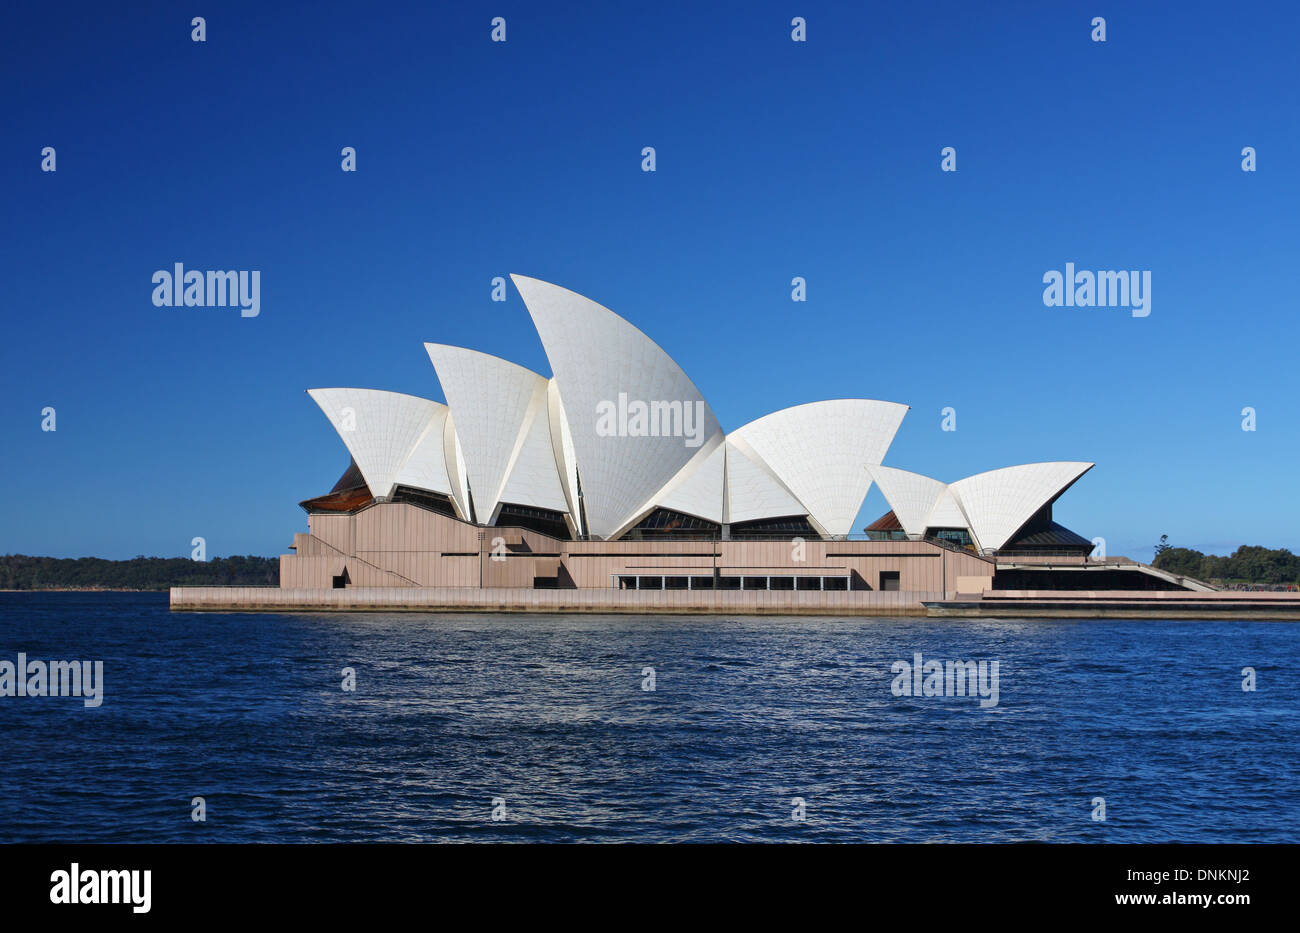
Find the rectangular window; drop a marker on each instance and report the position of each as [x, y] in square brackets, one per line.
[889, 580]
[728, 583]
[808, 583]
[701, 583]
[835, 583]
[782, 583]
[675, 583]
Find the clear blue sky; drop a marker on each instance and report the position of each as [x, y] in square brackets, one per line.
[775, 159]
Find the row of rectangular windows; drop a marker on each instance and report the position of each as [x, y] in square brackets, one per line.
[657, 582]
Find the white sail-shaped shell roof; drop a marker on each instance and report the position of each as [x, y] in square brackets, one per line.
[754, 491]
[999, 502]
[495, 403]
[912, 496]
[513, 436]
[599, 359]
[698, 490]
[456, 468]
[533, 477]
[566, 457]
[380, 429]
[947, 512]
[819, 451]
[993, 506]
[426, 467]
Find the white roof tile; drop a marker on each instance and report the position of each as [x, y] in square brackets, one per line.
[381, 429]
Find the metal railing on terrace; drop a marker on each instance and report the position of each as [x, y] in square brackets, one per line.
[1057, 554]
[874, 537]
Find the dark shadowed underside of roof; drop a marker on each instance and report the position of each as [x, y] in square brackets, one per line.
[349, 493]
[1048, 535]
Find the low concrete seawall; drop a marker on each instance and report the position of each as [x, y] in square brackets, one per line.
[466, 599]
[1121, 604]
[1114, 604]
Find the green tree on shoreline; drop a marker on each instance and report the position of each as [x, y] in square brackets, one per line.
[23, 572]
[1247, 564]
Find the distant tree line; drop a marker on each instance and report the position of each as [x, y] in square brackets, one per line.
[20, 572]
[1247, 564]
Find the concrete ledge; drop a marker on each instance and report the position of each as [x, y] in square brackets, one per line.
[1116, 604]
[465, 599]
[1120, 604]
[1225, 596]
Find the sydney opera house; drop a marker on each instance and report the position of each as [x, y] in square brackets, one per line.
[613, 474]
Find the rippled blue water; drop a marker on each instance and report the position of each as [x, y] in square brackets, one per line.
[549, 713]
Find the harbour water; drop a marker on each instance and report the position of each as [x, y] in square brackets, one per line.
[771, 729]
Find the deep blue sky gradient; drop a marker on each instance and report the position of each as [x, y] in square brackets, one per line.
[775, 159]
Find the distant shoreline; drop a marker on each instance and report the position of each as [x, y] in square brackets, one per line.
[85, 589]
[24, 573]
